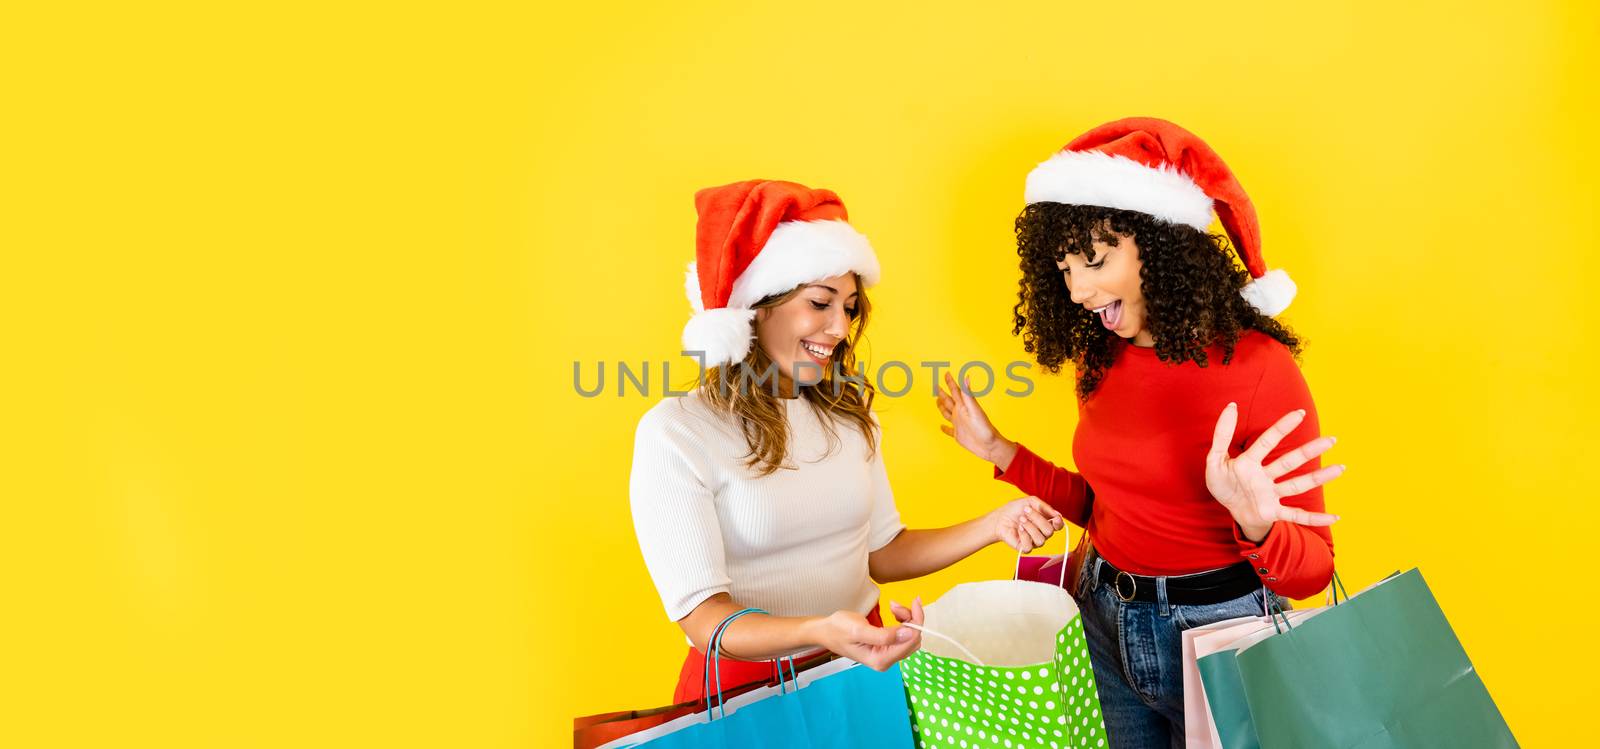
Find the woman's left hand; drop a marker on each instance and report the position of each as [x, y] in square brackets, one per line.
[1251, 491]
[1025, 524]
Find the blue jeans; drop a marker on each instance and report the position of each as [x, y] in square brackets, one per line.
[1136, 648]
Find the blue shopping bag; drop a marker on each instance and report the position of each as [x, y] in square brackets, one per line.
[838, 704]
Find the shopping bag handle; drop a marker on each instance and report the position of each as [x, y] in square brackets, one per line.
[1335, 591]
[713, 662]
[1016, 572]
[1277, 614]
[946, 638]
[1066, 551]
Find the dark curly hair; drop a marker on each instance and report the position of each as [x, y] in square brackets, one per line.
[1189, 279]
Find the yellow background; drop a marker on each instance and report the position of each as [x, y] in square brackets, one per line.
[292, 296]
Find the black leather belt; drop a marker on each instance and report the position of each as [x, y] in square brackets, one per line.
[1201, 589]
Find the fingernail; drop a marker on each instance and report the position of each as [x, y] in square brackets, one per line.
[1333, 440]
[903, 635]
[1302, 412]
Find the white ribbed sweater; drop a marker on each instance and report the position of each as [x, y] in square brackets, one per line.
[794, 542]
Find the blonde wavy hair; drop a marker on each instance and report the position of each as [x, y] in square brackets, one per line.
[737, 390]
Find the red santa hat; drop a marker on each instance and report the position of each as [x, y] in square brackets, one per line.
[755, 239]
[1152, 166]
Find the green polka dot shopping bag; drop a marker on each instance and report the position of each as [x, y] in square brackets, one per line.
[1003, 663]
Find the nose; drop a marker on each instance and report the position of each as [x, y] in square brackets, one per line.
[838, 323]
[1080, 291]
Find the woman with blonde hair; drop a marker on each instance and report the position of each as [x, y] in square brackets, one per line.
[764, 488]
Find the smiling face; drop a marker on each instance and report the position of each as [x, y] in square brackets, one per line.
[1108, 284]
[801, 335]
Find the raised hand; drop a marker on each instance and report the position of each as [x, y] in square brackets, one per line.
[970, 426]
[1251, 491]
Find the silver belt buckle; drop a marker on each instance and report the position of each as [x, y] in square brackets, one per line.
[1116, 586]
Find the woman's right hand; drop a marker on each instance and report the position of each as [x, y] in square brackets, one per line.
[849, 634]
[970, 426]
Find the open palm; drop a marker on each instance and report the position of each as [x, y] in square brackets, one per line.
[969, 425]
[1250, 490]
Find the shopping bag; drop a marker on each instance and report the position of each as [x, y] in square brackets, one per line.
[1382, 669]
[1003, 663]
[1228, 720]
[1061, 570]
[591, 731]
[1199, 731]
[1216, 711]
[839, 704]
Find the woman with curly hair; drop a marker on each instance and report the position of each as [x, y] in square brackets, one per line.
[1189, 517]
[761, 495]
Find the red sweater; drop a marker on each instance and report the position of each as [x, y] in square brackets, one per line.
[1141, 443]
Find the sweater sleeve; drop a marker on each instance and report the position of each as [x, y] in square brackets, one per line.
[674, 514]
[1293, 560]
[1062, 489]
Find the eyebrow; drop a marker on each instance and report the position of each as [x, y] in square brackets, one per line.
[829, 288]
[1088, 257]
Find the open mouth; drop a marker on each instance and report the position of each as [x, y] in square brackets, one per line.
[818, 352]
[1110, 314]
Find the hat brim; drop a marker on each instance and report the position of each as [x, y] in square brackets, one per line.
[1101, 179]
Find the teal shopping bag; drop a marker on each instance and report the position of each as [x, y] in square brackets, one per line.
[1230, 711]
[840, 704]
[1382, 669]
[1216, 649]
